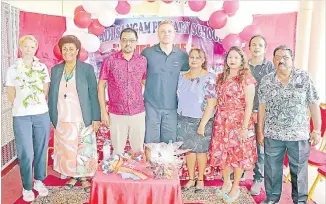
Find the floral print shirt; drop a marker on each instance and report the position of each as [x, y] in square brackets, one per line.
[193, 94]
[124, 83]
[287, 117]
[28, 82]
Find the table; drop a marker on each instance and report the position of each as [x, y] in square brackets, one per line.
[112, 189]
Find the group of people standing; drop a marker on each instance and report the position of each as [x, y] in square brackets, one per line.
[254, 110]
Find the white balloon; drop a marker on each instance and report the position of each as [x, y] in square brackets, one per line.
[135, 2]
[204, 14]
[106, 19]
[92, 6]
[91, 43]
[221, 33]
[111, 4]
[211, 6]
[239, 21]
[80, 34]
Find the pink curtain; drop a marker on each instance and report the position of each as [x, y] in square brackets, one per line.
[47, 30]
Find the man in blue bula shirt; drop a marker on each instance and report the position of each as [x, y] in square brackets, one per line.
[164, 63]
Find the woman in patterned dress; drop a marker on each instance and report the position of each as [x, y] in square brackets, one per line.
[196, 103]
[75, 114]
[233, 142]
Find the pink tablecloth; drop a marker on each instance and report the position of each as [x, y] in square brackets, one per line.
[112, 189]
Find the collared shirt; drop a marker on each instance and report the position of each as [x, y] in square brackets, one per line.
[28, 82]
[287, 116]
[124, 83]
[162, 76]
[258, 72]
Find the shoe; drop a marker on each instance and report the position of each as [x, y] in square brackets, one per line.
[255, 188]
[229, 199]
[242, 177]
[199, 190]
[220, 192]
[269, 202]
[40, 188]
[87, 187]
[28, 196]
[71, 183]
[184, 188]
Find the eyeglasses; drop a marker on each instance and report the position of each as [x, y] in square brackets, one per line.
[279, 58]
[128, 40]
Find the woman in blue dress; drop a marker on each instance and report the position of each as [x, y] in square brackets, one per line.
[196, 107]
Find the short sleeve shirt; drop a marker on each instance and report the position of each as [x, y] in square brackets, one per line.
[287, 117]
[258, 72]
[124, 80]
[194, 93]
[162, 76]
[28, 82]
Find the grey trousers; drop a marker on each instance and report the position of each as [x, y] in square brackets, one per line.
[259, 166]
[32, 139]
[298, 153]
[161, 124]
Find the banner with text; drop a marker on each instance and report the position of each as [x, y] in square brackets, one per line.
[190, 32]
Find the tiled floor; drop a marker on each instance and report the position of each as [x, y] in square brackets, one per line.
[11, 187]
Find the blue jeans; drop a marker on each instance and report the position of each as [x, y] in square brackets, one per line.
[259, 167]
[32, 138]
[298, 152]
[161, 124]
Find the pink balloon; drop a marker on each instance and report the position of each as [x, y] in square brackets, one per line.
[82, 19]
[96, 28]
[249, 31]
[83, 55]
[79, 9]
[218, 19]
[167, 1]
[197, 5]
[57, 52]
[231, 40]
[230, 7]
[123, 7]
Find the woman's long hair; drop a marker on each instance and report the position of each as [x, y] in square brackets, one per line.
[202, 55]
[243, 67]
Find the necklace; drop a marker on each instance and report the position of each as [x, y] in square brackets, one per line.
[67, 77]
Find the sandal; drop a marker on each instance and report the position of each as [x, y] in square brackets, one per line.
[199, 190]
[71, 183]
[185, 188]
[86, 188]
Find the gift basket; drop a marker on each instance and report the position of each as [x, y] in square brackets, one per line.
[162, 162]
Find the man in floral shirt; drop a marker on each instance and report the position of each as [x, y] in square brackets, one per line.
[283, 125]
[123, 73]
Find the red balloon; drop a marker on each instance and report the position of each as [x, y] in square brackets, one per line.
[79, 9]
[249, 31]
[197, 5]
[231, 40]
[230, 7]
[167, 1]
[96, 28]
[218, 19]
[83, 55]
[57, 52]
[82, 19]
[123, 7]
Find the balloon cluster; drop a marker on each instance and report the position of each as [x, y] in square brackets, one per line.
[234, 27]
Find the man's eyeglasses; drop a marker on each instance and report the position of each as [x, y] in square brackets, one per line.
[128, 41]
[279, 58]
